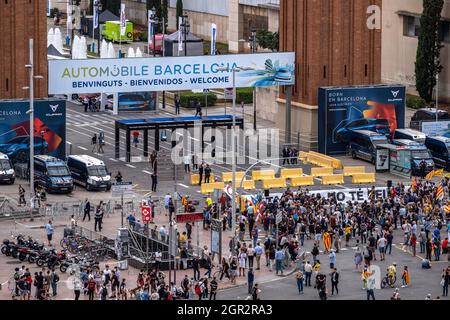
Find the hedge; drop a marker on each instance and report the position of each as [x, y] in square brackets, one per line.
[415, 102]
[244, 94]
[187, 97]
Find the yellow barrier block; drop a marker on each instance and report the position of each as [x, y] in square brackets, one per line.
[303, 181]
[302, 155]
[274, 183]
[321, 172]
[263, 174]
[336, 163]
[363, 178]
[291, 173]
[195, 179]
[350, 171]
[248, 184]
[210, 187]
[228, 176]
[333, 179]
[320, 161]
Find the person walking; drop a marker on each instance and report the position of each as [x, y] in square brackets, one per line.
[213, 289]
[334, 281]
[136, 138]
[49, 232]
[54, 279]
[428, 248]
[200, 172]
[94, 142]
[198, 109]
[98, 217]
[76, 282]
[101, 141]
[177, 104]
[279, 258]
[86, 104]
[308, 273]
[250, 280]
[255, 292]
[91, 286]
[154, 181]
[332, 259]
[258, 253]
[406, 278]
[445, 281]
[22, 196]
[87, 210]
[370, 287]
[299, 277]
[207, 173]
[187, 162]
[196, 268]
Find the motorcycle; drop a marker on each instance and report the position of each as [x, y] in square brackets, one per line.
[7, 247]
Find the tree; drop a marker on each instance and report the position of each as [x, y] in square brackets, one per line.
[161, 11]
[111, 5]
[268, 40]
[428, 64]
[179, 10]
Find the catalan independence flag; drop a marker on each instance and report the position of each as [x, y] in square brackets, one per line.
[434, 173]
[414, 184]
[440, 191]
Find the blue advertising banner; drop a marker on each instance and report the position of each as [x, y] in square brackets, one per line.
[379, 108]
[49, 128]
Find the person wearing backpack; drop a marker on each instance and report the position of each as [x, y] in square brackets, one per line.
[103, 292]
[255, 292]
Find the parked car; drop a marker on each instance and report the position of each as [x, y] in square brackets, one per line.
[137, 101]
[428, 114]
[18, 148]
[380, 126]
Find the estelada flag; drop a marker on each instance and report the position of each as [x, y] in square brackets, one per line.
[440, 191]
[326, 240]
[414, 184]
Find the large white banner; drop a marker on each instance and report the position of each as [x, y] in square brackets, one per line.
[344, 195]
[170, 73]
[434, 128]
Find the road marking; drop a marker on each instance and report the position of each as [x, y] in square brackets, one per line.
[82, 148]
[112, 159]
[183, 185]
[130, 166]
[343, 249]
[147, 172]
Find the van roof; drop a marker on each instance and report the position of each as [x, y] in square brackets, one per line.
[46, 158]
[407, 142]
[411, 132]
[367, 133]
[440, 138]
[88, 160]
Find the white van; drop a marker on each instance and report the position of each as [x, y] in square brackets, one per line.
[89, 172]
[7, 173]
[410, 134]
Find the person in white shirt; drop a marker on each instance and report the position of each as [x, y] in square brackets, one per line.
[382, 247]
[187, 162]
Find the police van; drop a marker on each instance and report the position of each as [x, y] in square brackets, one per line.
[89, 172]
[419, 153]
[410, 134]
[7, 173]
[52, 174]
[363, 144]
[439, 148]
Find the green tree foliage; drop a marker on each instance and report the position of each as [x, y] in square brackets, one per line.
[111, 5]
[428, 63]
[179, 10]
[268, 40]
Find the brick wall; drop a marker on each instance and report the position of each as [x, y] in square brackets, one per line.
[332, 43]
[21, 20]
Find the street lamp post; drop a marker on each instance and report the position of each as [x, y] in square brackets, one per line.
[233, 150]
[254, 48]
[154, 20]
[186, 28]
[97, 7]
[32, 77]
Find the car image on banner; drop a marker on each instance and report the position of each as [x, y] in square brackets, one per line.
[49, 129]
[380, 109]
[134, 101]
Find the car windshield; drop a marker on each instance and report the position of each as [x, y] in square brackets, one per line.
[5, 164]
[58, 171]
[98, 171]
[379, 140]
[422, 154]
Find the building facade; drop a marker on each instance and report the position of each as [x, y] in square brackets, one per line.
[333, 46]
[401, 25]
[21, 20]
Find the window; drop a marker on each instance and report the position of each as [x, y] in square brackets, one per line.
[7, 84]
[445, 31]
[411, 26]
[345, 71]
[324, 72]
[366, 69]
